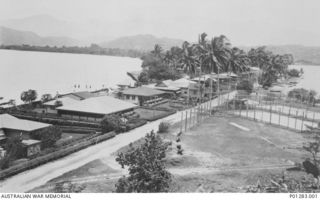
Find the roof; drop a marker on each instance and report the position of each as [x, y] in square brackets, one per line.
[182, 83]
[30, 142]
[79, 95]
[64, 100]
[276, 89]
[142, 91]
[83, 94]
[254, 69]
[231, 74]
[164, 85]
[99, 105]
[10, 122]
[127, 82]
[194, 86]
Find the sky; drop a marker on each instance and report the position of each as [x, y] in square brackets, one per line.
[244, 22]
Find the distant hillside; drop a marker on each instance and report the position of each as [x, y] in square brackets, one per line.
[15, 37]
[301, 54]
[141, 42]
[307, 55]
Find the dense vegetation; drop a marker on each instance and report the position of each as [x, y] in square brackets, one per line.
[93, 49]
[216, 55]
[14, 150]
[48, 136]
[113, 123]
[303, 95]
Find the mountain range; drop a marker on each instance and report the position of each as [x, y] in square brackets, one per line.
[15, 37]
[42, 30]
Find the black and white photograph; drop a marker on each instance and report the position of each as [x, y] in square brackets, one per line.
[159, 96]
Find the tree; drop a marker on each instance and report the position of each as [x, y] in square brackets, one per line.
[143, 78]
[189, 60]
[113, 123]
[58, 103]
[239, 61]
[147, 172]
[48, 136]
[157, 51]
[29, 96]
[294, 73]
[303, 95]
[14, 149]
[46, 97]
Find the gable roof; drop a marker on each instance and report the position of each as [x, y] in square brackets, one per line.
[142, 91]
[126, 82]
[64, 100]
[99, 105]
[182, 83]
[79, 95]
[10, 122]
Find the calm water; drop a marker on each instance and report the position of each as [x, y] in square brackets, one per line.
[59, 72]
[311, 77]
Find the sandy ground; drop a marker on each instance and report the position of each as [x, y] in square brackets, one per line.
[30, 179]
[276, 119]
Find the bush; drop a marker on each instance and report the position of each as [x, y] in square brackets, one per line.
[48, 136]
[303, 95]
[245, 85]
[113, 123]
[146, 166]
[294, 73]
[163, 127]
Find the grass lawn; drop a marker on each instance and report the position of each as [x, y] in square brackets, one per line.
[69, 136]
[148, 114]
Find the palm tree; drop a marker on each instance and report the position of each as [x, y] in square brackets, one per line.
[239, 61]
[215, 56]
[157, 51]
[189, 60]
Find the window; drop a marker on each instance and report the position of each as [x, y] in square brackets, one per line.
[133, 97]
[128, 97]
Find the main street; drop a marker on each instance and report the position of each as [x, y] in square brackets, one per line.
[32, 178]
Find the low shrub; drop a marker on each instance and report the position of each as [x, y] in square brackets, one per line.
[294, 73]
[163, 127]
[113, 123]
[245, 85]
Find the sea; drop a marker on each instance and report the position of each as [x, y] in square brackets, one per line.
[64, 72]
[60, 72]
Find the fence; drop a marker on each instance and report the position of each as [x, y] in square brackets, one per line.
[196, 115]
[266, 108]
[54, 155]
[274, 110]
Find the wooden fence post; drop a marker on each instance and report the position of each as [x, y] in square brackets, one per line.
[247, 110]
[186, 122]
[313, 118]
[279, 116]
[270, 112]
[288, 118]
[302, 121]
[295, 123]
[181, 121]
[190, 120]
[254, 113]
